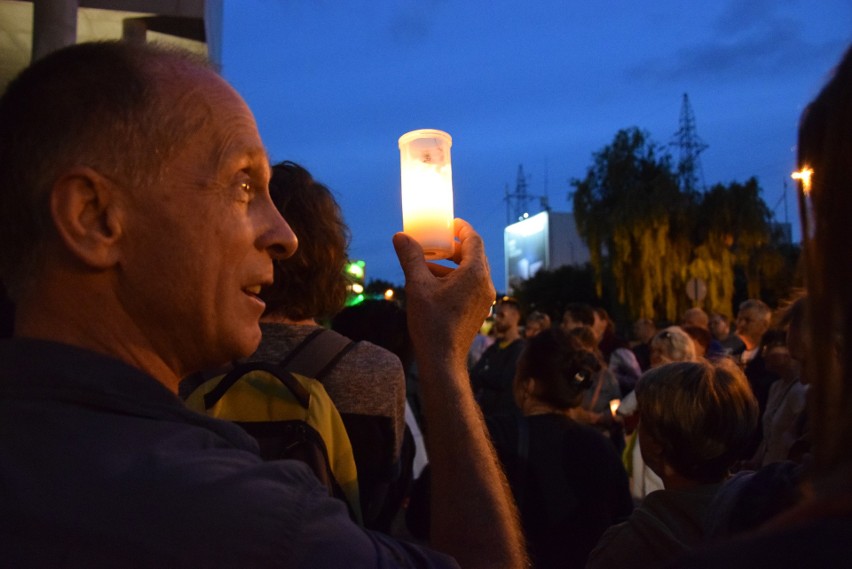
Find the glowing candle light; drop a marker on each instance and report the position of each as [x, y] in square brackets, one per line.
[806, 201]
[613, 405]
[427, 190]
[804, 175]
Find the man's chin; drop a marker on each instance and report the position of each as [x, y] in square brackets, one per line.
[243, 344]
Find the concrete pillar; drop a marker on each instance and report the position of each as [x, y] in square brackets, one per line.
[54, 26]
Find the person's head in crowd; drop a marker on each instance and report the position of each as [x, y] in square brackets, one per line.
[773, 348]
[719, 326]
[553, 372]
[695, 316]
[643, 330]
[586, 336]
[825, 148]
[672, 344]
[535, 323]
[701, 339]
[603, 323]
[137, 207]
[577, 314]
[696, 420]
[507, 319]
[381, 322]
[312, 283]
[753, 320]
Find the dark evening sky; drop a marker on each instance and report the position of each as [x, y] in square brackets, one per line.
[543, 84]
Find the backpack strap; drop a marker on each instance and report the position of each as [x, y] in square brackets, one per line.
[317, 354]
[299, 392]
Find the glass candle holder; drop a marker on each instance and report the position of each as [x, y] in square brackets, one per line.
[427, 190]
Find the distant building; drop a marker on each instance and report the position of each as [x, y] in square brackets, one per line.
[546, 240]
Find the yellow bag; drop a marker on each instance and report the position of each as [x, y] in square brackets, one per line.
[291, 416]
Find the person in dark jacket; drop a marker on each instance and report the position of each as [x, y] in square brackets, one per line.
[566, 477]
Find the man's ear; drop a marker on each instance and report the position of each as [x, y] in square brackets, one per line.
[652, 451]
[85, 210]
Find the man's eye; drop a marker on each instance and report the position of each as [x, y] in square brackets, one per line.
[247, 190]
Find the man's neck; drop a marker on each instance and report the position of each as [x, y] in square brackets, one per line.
[749, 354]
[750, 343]
[93, 323]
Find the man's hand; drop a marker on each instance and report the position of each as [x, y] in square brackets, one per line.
[473, 515]
[446, 306]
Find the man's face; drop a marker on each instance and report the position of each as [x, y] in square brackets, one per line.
[719, 327]
[751, 326]
[506, 317]
[199, 245]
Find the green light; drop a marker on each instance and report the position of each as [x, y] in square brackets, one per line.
[356, 269]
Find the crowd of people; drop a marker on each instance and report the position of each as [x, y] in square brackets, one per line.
[146, 245]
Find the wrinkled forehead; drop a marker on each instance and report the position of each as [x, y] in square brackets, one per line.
[222, 122]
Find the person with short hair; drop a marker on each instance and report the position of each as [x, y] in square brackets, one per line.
[720, 327]
[535, 323]
[577, 314]
[696, 419]
[669, 345]
[695, 316]
[491, 376]
[753, 321]
[136, 233]
[696, 323]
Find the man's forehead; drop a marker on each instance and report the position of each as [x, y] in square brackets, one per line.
[232, 129]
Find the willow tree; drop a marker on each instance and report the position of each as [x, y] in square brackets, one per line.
[735, 225]
[627, 211]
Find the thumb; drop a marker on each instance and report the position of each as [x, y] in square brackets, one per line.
[411, 257]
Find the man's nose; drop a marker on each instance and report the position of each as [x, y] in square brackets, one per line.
[278, 238]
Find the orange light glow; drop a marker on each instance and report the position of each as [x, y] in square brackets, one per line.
[805, 176]
[613, 405]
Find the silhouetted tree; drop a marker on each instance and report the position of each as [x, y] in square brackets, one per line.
[630, 207]
[651, 238]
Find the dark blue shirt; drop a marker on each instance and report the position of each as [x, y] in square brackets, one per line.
[102, 466]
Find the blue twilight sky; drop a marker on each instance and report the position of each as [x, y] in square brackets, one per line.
[542, 84]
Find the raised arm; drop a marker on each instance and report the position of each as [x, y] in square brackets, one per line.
[473, 515]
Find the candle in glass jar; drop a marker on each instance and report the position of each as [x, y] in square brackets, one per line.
[427, 190]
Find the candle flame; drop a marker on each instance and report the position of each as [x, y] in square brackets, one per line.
[613, 405]
[805, 176]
